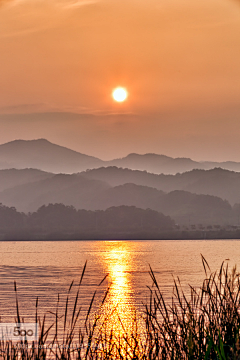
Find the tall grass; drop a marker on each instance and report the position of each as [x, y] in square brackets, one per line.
[204, 325]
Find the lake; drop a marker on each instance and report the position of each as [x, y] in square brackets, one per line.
[45, 269]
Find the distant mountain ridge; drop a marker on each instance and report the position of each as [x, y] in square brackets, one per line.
[106, 187]
[68, 189]
[162, 164]
[43, 155]
[217, 182]
[14, 177]
[155, 164]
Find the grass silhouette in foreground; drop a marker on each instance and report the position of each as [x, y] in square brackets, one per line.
[201, 325]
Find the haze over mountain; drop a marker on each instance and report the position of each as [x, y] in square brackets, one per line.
[218, 182]
[162, 164]
[13, 177]
[193, 197]
[182, 206]
[95, 194]
[73, 190]
[42, 154]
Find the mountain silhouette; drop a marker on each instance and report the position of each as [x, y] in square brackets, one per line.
[162, 164]
[62, 188]
[182, 206]
[12, 177]
[42, 154]
[46, 156]
[91, 194]
[217, 182]
[154, 163]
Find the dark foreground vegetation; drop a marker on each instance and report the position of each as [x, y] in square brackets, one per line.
[203, 324]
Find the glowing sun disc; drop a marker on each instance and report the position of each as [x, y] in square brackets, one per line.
[119, 94]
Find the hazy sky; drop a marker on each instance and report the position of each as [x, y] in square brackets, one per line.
[179, 60]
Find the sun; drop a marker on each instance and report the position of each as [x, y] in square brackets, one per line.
[119, 94]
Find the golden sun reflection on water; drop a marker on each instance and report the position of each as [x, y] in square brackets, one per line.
[116, 258]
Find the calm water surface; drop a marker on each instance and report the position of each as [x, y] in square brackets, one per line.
[46, 269]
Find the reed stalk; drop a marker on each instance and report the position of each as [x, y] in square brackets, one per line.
[201, 325]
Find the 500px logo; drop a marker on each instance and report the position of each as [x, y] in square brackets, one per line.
[19, 332]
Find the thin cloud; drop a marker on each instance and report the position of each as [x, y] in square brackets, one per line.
[45, 107]
[54, 108]
[67, 4]
[39, 15]
[74, 3]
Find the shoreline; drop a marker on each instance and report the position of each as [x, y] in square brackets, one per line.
[168, 235]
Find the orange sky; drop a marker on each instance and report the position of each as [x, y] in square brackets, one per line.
[179, 60]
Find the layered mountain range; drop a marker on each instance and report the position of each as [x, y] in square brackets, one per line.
[44, 155]
[156, 182]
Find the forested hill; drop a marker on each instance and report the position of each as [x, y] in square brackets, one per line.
[59, 221]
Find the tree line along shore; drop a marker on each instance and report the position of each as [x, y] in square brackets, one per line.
[61, 222]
